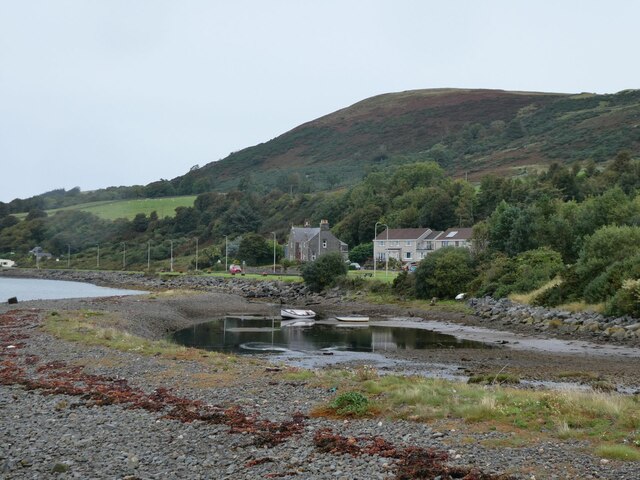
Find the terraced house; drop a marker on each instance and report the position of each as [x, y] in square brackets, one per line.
[410, 245]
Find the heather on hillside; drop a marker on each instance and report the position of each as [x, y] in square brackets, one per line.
[468, 133]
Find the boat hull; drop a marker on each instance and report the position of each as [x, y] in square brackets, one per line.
[295, 314]
[353, 318]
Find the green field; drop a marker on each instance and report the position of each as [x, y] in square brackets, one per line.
[112, 209]
[381, 275]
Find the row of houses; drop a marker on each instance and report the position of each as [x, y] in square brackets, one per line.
[406, 245]
[413, 244]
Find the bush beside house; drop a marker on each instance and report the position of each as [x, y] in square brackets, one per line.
[324, 272]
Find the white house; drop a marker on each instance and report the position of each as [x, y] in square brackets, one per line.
[410, 245]
[403, 244]
[455, 237]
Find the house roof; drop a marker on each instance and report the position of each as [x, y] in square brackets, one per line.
[433, 235]
[456, 234]
[403, 233]
[304, 234]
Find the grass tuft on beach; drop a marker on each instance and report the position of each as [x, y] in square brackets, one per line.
[602, 418]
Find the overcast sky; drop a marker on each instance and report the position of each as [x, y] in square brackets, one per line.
[121, 92]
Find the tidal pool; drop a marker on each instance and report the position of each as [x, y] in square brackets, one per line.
[253, 335]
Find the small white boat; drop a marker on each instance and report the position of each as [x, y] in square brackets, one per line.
[353, 318]
[295, 313]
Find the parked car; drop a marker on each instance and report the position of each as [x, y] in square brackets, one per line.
[233, 269]
[354, 266]
[410, 267]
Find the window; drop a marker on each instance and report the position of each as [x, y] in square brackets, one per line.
[408, 255]
[324, 244]
[452, 234]
[445, 243]
[381, 243]
[429, 245]
[407, 243]
[457, 243]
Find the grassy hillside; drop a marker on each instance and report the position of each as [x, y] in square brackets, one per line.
[110, 210]
[468, 132]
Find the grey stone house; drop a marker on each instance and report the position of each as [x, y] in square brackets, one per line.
[308, 243]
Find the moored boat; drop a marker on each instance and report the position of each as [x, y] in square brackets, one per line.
[294, 313]
[353, 318]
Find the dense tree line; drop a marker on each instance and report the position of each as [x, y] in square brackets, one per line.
[526, 229]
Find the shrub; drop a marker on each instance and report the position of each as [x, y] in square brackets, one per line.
[351, 404]
[605, 247]
[351, 283]
[534, 268]
[499, 275]
[444, 273]
[610, 281]
[626, 301]
[404, 284]
[324, 271]
[361, 253]
[255, 250]
[489, 275]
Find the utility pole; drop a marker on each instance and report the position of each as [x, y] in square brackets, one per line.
[124, 255]
[386, 254]
[274, 252]
[171, 265]
[98, 257]
[148, 255]
[196, 254]
[226, 268]
[68, 256]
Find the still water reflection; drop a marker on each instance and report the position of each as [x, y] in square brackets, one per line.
[265, 335]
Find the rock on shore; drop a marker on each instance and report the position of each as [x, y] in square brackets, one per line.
[590, 325]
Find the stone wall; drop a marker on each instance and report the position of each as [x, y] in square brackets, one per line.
[584, 324]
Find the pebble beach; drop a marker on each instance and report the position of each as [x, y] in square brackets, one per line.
[72, 410]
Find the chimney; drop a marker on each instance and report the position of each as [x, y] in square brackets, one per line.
[324, 224]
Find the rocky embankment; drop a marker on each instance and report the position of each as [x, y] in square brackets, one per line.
[589, 325]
